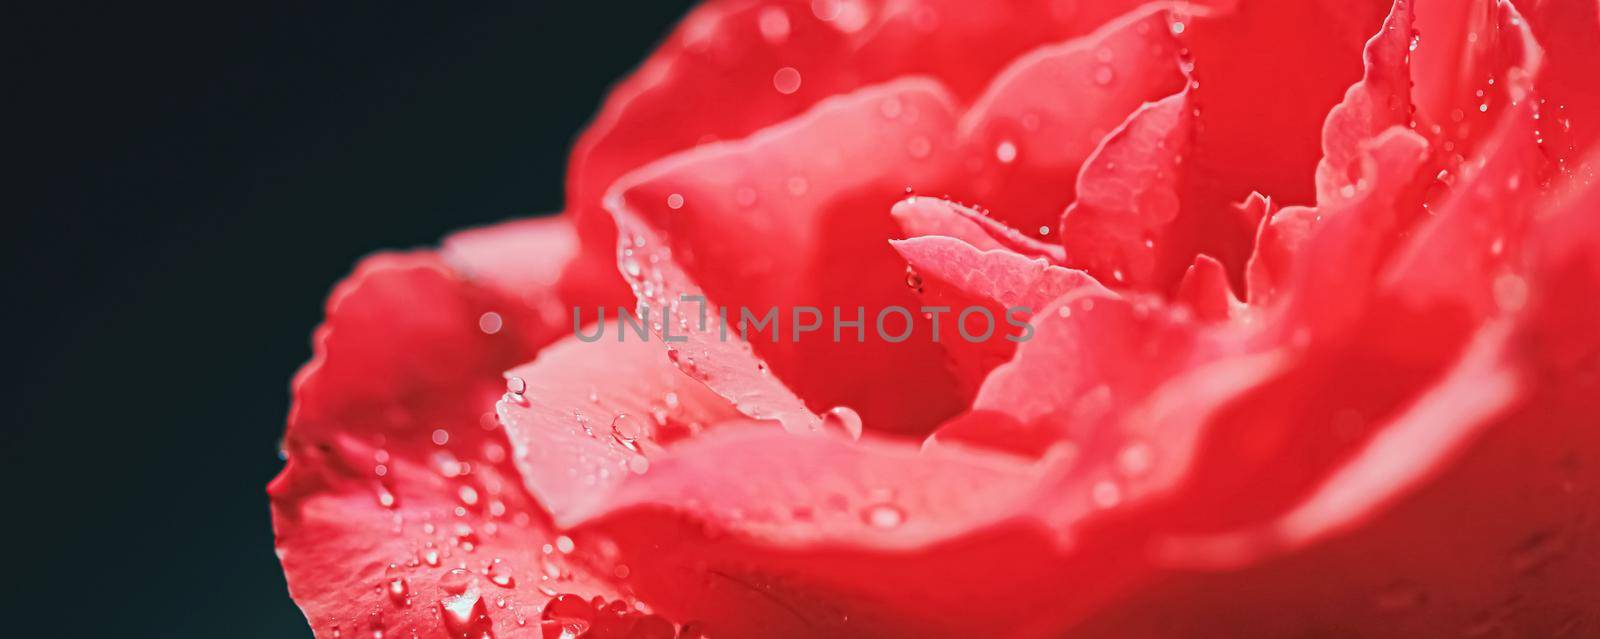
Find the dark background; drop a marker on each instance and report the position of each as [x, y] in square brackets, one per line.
[189, 184]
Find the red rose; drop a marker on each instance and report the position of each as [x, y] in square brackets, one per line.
[1311, 348]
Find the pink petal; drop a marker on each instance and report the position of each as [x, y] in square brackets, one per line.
[1011, 287]
[919, 216]
[1460, 253]
[398, 476]
[595, 412]
[1128, 226]
[714, 77]
[1205, 290]
[1267, 74]
[1568, 87]
[797, 216]
[1382, 99]
[755, 532]
[1044, 114]
[1463, 515]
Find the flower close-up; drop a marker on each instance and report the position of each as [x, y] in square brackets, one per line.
[1026, 318]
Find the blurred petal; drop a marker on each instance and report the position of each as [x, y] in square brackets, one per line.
[1205, 289]
[1267, 74]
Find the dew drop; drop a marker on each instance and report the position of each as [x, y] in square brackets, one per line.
[1106, 494]
[464, 614]
[515, 389]
[398, 588]
[1103, 76]
[1135, 459]
[919, 147]
[569, 615]
[627, 430]
[457, 581]
[1006, 152]
[883, 516]
[490, 322]
[745, 196]
[797, 185]
[500, 575]
[845, 419]
[913, 279]
[774, 23]
[564, 544]
[891, 108]
[786, 80]
[675, 201]
[440, 436]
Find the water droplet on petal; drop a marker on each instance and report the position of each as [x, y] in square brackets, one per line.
[1006, 152]
[844, 419]
[797, 186]
[1103, 76]
[675, 201]
[1135, 459]
[627, 430]
[884, 516]
[457, 581]
[490, 322]
[774, 23]
[398, 588]
[568, 615]
[891, 108]
[786, 80]
[919, 147]
[500, 575]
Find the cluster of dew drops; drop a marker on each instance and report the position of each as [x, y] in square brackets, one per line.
[472, 599]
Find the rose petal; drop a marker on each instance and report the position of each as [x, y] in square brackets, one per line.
[1351, 236]
[1103, 355]
[731, 52]
[596, 408]
[1488, 543]
[1205, 290]
[1382, 99]
[1011, 287]
[797, 217]
[755, 532]
[1464, 515]
[1044, 114]
[1130, 225]
[919, 216]
[1569, 90]
[1267, 74]
[395, 479]
[1461, 252]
